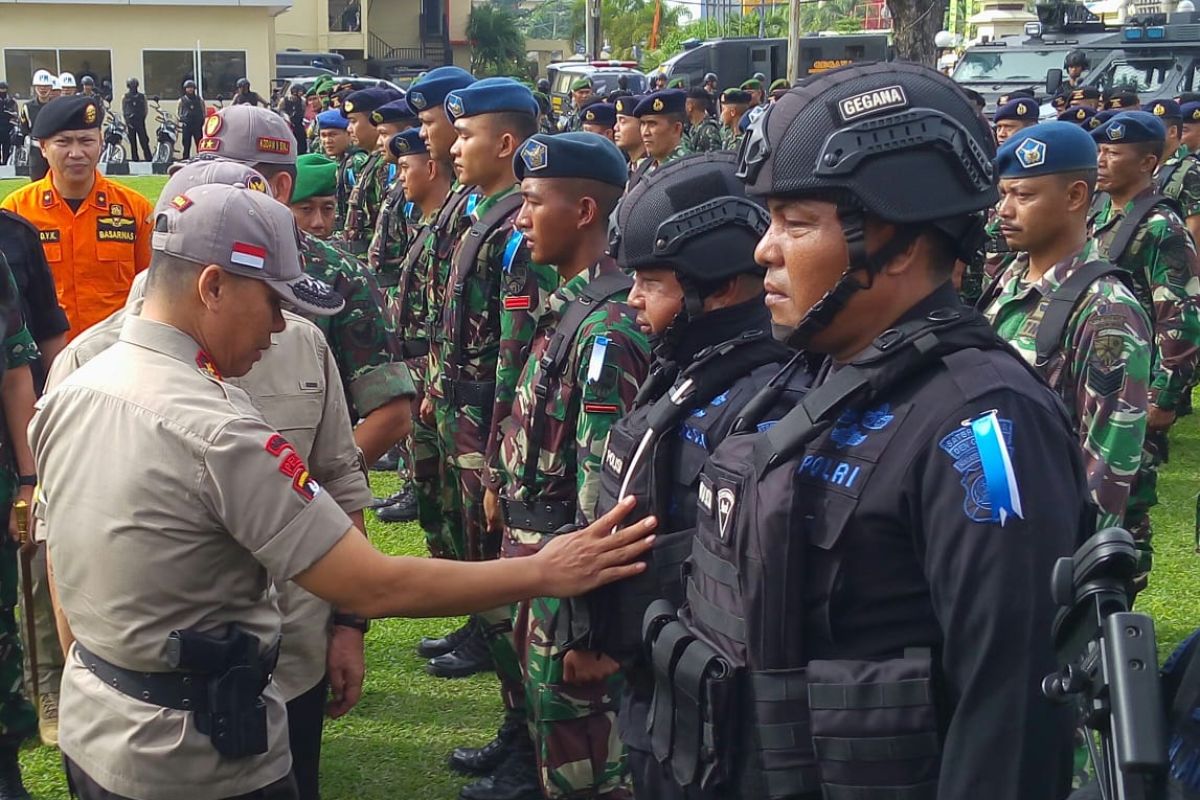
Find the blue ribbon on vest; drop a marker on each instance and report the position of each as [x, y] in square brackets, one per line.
[1004, 497]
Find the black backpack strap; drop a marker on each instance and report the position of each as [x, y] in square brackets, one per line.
[896, 354]
[473, 242]
[640, 171]
[1098, 200]
[453, 208]
[415, 249]
[554, 360]
[1128, 227]
[1064, 300]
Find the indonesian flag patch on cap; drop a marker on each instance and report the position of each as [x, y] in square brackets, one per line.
[248, 255]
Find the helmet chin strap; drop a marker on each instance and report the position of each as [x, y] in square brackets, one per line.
[666, 343]
[822, 313]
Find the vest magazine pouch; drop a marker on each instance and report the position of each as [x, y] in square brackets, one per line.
[778, 703]
[875, 727]
[707, 716]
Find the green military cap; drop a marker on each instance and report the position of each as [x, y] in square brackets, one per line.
[316, 176]
[780, 83]
[752, 84]
[581, 83]
[675, 83]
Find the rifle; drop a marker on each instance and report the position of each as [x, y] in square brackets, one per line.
[28, 550]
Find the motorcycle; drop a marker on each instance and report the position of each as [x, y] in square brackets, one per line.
[113, 151]
[19, 157]
[166, 135]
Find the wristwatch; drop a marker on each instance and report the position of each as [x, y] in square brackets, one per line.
[351, 621]
[28, 480]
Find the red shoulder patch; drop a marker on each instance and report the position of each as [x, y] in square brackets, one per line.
[292, 466]
[207, 365]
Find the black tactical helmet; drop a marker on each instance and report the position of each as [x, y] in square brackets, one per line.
[710, 77]
[189, 84]
[132, 83]
[88, 80]
[897, 141]
[3, 86]
[543, 85]
[243, 82]
[693, 216]
[1077, 58]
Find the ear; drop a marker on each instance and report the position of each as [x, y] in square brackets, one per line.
[1079, 196]
[209, 285]
[508, 146]
[589, 212]
[281, 187]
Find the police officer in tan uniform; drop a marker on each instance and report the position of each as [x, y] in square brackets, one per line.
[169, 501]
[297, 388]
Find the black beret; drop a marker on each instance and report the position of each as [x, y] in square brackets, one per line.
[600, 114]
[668, 101]
[69, 113]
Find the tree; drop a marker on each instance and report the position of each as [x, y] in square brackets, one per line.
[914, 24]
[497, 46]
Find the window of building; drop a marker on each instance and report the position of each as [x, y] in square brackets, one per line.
[164, 72]
[96, 63]
[20, 64]
[221, 70]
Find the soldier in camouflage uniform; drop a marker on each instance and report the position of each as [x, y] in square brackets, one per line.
[586, 362]
[370, 187]
[627, 131]
[662, 116]
[1100, 361]
[581, 93]
[734, 104]
[393, 232]
[1161, 258]
[704, 132]
[379, 389]
[18, 720]
[335, 142]
[1178, 176]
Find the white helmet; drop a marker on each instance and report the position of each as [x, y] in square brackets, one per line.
[66, 80]
[54, 84]
[43, 78]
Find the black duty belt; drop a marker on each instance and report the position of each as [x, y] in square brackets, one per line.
[543, 516]
[183, 691]
[414, 348]
[477, 394]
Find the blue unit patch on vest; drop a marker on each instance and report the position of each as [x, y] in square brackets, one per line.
[981, 452]
[853, 426]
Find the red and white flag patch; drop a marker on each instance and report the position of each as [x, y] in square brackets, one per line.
[248, 255]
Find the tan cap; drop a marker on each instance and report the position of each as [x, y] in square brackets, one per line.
[198, 173]
[244, 232]
[249, 135]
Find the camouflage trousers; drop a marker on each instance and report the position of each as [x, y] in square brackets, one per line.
[18, 720]
[1143, 496]
[421, 462]
[573, 726]
[462, 436]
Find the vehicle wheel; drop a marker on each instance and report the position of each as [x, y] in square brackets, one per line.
[162, 155]
[117, 156]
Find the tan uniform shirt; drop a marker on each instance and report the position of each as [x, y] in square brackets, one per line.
[168, 501]
[297, 388]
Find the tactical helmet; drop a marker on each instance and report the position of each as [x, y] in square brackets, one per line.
[692, 215]
[43, 78]
[710, 77]
[543, 85]
[87, 80]
[1076, 58]
[132, 83]
[760, 77]
[898, 141]
[189, 84]
[3, 86]
[66, 80]
[243, 83]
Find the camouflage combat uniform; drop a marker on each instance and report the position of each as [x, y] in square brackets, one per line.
[349, 170]
[731, 138]
[579, 753]
[360, 336]
[18, 719]
[1101, 369]
[1182, 173]
[500, 302]
[705, 136]
[391, 239]
[648, 165]
[1162, 261]
[364, 203]
[571, 121]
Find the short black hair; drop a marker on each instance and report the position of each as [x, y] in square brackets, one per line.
[519, 124]
[269, 171]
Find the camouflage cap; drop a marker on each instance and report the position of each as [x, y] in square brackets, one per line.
[246, 233]
[249, 135]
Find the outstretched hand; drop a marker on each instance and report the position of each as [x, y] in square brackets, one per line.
[576, 563]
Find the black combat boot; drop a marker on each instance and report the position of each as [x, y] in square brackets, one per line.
[403, 507]
[484, 760]
[11, 785]
[432, 648]
[471, 656]
[515, 779]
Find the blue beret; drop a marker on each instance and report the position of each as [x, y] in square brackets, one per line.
[1079, 115]
[395, 111]
[1022, 109]
[571, 155]
[668, 101]
[1166, 109]
[1131, 127]
[365, 100]
[78, 113]
[600, 114]
[407, 143]
[1104, 116]
[332, 119]
[1191, 112]
[625, 105]
[431, 90]
[1046, 149]
[490, 96]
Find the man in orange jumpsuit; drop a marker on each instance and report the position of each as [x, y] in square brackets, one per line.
[95, 232]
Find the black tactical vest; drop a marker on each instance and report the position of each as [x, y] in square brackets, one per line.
[741, 706]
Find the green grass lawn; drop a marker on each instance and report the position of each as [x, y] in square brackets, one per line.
[394, 744]
[149, 185]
